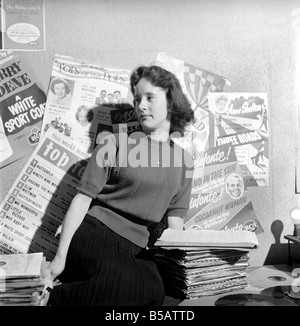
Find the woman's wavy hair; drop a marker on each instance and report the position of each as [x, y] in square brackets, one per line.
[58, 80]
[181, 112]
[89, 113]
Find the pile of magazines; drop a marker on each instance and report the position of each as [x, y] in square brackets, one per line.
[196, 263]
[21, 283]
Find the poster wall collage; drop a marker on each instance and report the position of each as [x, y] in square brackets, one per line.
[57, 131]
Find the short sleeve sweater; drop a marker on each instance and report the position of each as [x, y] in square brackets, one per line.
[135, 181]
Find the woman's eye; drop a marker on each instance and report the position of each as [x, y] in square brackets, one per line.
[150, 98]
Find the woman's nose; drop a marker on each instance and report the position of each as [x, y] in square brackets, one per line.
[142, 105]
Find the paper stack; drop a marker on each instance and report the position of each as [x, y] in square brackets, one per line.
[197, 263]
[20, 279]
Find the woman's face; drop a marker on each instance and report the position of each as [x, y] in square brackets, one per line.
[60, 90]
[82, 118]
[151, 107]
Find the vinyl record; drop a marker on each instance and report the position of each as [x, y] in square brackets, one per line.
[252, 299]
[283, 291]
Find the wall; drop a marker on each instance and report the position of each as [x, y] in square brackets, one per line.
[248, 42]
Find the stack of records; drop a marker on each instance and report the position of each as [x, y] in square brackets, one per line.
[21, 283]
[194, 272]
[191, 266]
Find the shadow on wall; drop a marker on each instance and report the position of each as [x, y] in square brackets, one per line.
[47, 234]
[46, 237]
[278, 252]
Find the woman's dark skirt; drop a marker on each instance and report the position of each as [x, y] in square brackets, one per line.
[105, 269]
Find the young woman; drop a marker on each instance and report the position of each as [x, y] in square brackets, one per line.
[61, 90]
[84, 115]
[129, 185]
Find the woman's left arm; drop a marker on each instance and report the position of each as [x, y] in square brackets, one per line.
[175, 222]
[179, 205]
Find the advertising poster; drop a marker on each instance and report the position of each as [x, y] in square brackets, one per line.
[196, 84]
[241, 119]
[83, 98]
[22, 106]
[33, 210]
[23, 25]
[219, 197]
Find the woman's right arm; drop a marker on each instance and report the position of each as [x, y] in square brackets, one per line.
[92, 182]
[73, 218]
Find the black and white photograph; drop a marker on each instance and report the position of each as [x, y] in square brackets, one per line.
[149, 156]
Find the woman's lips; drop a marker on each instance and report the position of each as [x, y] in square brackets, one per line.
[145, 116]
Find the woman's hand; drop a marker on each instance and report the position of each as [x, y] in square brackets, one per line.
[74, 217]
[54, 268]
